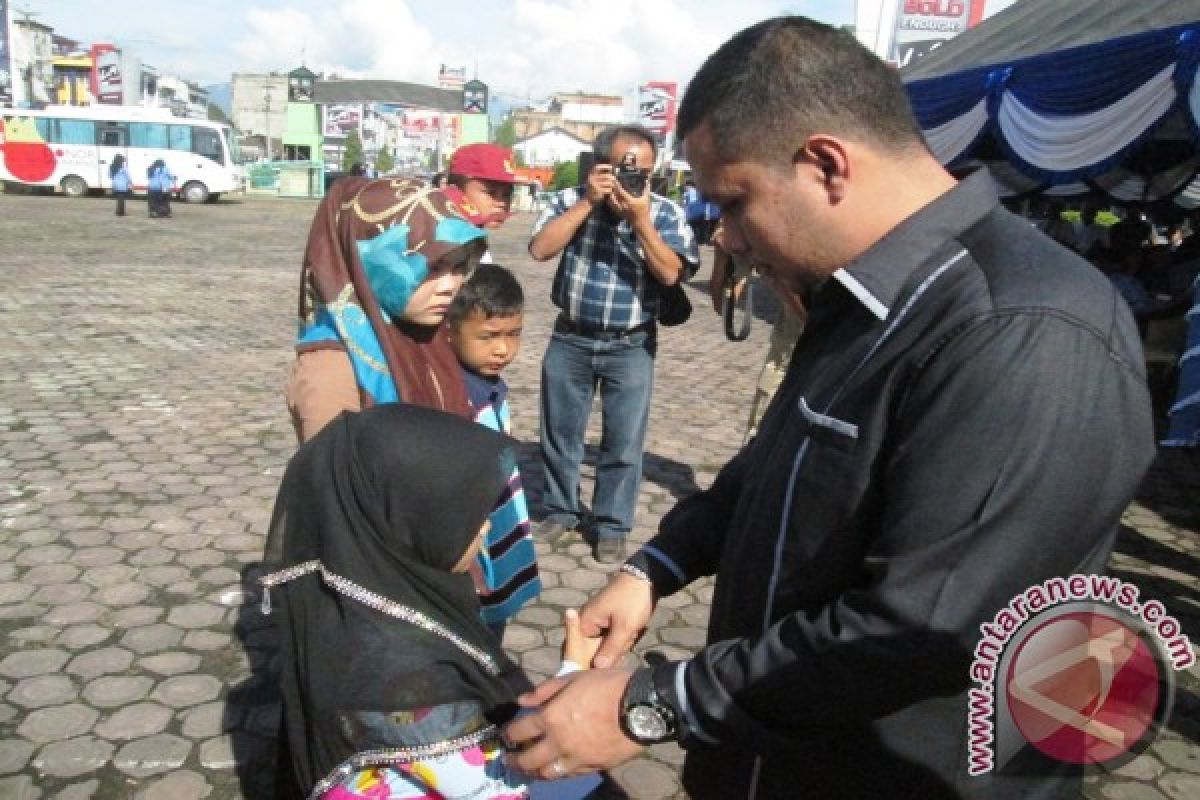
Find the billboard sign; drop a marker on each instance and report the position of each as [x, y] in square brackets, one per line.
[341, 118]
[656, 106]
[924, 25]
[107, 84]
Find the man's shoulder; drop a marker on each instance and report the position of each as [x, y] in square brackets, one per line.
[1022, 268]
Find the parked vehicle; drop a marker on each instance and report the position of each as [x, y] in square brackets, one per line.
[70, 148]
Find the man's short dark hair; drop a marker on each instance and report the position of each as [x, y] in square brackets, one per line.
[606, 139]
[776, 83]
[492, 289]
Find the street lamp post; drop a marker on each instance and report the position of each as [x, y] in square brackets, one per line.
[267, 117]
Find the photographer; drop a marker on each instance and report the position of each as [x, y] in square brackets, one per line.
[619, 245]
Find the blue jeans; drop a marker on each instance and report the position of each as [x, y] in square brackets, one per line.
[622, 368]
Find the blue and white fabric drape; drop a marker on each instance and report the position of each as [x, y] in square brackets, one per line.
[1067, 116]
[1184, 429]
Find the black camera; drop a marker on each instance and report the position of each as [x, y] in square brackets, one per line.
[632, 179]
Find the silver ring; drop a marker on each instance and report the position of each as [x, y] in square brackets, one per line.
[556, 767]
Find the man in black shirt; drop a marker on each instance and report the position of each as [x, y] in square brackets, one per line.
[964, 416]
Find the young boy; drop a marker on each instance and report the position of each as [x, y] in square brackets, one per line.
[484, 323]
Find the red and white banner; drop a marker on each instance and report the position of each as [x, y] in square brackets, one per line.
[924, 25]
[656, 106]
[107, 84]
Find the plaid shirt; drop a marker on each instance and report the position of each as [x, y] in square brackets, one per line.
[602, 282]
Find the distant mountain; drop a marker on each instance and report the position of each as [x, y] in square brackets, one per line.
[221, 96]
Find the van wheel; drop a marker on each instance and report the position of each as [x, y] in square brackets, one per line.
[74, 186]
[194, 192]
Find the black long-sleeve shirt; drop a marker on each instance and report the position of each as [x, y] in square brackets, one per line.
[964, 416]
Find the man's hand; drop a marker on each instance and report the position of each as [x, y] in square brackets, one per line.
[620, 613]
[575, 727]
[600, 183]
[632, 207]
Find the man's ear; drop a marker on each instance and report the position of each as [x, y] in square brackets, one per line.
[830, 160]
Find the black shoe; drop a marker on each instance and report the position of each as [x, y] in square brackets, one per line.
[551, 531]
[610, 550]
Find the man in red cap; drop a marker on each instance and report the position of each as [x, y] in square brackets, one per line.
[484, 175]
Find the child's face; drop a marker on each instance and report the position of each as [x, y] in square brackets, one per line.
[486, 345]
[468, 558]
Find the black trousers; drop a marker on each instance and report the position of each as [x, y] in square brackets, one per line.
[160, 203]
[121, 198]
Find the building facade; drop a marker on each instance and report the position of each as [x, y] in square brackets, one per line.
[580, 114]
[550, 147]
[259, 111]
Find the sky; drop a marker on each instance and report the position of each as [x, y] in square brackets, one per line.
[523, 49]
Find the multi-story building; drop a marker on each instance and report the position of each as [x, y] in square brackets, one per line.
[581, 114]
[260, 110]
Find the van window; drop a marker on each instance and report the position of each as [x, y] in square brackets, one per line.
[76, 131]
[181, 137]
[148, 134]
[112, 134]
[207, 142]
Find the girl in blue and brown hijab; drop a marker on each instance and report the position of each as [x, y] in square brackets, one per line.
[383, 262]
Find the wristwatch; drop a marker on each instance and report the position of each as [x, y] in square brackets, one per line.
[645, 718]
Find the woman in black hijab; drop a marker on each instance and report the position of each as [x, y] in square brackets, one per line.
[385, 662]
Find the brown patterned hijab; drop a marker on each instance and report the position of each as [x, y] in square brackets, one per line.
[371, 244]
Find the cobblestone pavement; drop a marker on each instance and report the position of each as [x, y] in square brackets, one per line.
[142, 436]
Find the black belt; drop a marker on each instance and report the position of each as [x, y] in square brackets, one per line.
[564, 325]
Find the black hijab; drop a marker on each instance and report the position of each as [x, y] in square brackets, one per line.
[372, 515]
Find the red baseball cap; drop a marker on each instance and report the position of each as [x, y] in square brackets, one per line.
[488, 162]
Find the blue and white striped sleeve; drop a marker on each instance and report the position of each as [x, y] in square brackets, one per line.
[671, 224]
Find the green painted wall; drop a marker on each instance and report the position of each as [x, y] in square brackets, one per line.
[473, 127]
[303, 125]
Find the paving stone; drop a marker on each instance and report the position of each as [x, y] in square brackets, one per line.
[34, 634]
[136, 616]
[1131, 791]
[107, 661]
[206, 640]
[45, 554]
[58, 723]
[15, 592]
[73, 757]
[14, 755]
[196, 615]
[97, 556]
[1177, 754]
[44, 690]
[79, 791]
[187, 690]
[210, 719]
[110, 575]
[78, 637]
[122, 594]
[218, 753]
[51, 573]
[135, 721]
[33, 662]
[152, 638]
[111, 691]
[170, 663]
[152, 755]
[74, 613]
[19, 787]
[179, 785]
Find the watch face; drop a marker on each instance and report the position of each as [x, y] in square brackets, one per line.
[645, 722]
